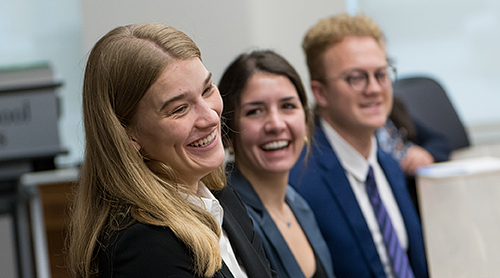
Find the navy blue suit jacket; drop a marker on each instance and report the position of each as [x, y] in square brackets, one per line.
[324, 185]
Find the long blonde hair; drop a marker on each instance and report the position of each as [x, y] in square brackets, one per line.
[115, 179]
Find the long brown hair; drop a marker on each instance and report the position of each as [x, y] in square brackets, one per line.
[115, 179]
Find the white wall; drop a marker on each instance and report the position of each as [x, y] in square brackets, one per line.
[456, 41]
[222, 29]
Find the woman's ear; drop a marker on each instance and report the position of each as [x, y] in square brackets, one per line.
[136, 145]
[134, 142]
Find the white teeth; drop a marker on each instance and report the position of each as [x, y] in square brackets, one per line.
[276, 145]
[205, 141]
[371, 105]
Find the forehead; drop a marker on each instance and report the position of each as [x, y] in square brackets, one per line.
[263, 85]
[179, 77]
[355, 52]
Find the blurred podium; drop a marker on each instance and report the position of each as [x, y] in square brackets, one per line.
[460, 211]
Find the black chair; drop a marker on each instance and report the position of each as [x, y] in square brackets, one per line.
[426, 101]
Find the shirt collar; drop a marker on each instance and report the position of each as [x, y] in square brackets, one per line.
[207, 201]
[350, 159]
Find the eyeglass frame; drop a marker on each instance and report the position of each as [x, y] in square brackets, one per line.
[345, 76]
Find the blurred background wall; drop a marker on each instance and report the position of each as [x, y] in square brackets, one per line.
[454, 41]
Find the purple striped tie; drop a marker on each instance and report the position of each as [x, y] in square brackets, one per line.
[399, 259]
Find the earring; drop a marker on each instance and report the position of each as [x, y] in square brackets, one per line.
[306, 140]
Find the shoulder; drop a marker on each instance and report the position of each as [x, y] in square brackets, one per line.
[144, 250]
[141, 235]
[320, 155]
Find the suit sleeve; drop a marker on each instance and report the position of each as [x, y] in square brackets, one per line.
[146, 251]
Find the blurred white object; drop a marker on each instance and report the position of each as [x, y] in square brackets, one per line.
[460, 209]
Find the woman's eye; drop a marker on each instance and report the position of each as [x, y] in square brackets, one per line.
[289, 106]
[253, 112]
[179, 110]
[208, 90]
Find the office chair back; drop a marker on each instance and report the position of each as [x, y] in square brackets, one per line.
[426, 101]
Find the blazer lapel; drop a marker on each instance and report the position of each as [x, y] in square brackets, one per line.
[224, 272]
[239, 229]
[334, 177]
[265, 224]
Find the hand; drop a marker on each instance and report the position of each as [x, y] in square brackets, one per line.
[414, 158]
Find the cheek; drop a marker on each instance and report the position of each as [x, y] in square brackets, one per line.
[299, 127]
[249, 131]
[217, 104]
[163, 137]
[248, 135]
[390, 101]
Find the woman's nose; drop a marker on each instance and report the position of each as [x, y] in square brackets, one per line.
[208, 115]
[274, 122]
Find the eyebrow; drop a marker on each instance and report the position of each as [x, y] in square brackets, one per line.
[260, 102]
[183, 95]
[361, 69]
[209, 77]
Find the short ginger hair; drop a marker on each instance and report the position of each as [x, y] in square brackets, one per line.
[332, 30]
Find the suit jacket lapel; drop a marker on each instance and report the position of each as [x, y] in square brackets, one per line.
[239, 229]
[338, 185]
[264, 220]
[224, 272]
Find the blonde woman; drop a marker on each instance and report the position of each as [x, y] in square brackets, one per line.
[152, 201]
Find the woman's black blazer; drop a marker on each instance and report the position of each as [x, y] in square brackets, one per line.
[142, 250]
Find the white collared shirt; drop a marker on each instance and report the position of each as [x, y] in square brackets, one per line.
[356, 169]
[208, 202]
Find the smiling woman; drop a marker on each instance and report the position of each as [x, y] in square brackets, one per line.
[151, 200]
[267, 120]
[178, 121]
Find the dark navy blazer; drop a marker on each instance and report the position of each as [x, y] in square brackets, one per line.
[278, 253]
[324, 185]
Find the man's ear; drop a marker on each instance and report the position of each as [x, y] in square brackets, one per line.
[318, 89]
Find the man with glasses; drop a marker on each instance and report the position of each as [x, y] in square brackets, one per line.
[357, 192]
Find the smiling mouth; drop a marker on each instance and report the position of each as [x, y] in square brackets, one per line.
[370, 105]
[276, 145]
[205, 141]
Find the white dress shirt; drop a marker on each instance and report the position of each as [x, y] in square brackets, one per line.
[208, 202]
[356, 169]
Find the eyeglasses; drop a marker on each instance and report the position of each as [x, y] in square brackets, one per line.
[359, 79]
